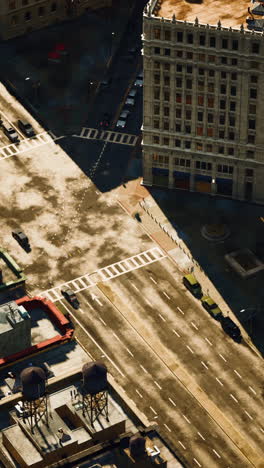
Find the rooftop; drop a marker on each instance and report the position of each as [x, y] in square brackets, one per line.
[231, 13]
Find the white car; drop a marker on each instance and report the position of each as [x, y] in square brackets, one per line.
[132, 93]
[138, 83]
[130, 101]
[124, 114]
[140, 75]
[121, 123]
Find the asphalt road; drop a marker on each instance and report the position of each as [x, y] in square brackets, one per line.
[175, 362]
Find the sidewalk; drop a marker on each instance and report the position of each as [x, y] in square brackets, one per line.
[134, 198]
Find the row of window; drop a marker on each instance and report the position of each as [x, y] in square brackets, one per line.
[202, 115]
[27, 16]
[180, 54]
[188, 69]
[203, 40]
[201, 98]
[200, 165]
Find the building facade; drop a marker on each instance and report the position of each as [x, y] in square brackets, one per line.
[203, 124]
[18, 17]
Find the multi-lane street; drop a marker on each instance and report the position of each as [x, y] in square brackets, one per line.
[175, 362]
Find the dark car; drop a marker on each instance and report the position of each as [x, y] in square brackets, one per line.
[71, 297]
[10, 133]
[231, 329]
[22, 239]
[105, 121]
[26, 128]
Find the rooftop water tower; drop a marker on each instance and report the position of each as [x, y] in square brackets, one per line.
[35, 399]
[94, 390]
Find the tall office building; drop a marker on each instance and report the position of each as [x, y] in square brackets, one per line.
[18, 17]
[203, 127]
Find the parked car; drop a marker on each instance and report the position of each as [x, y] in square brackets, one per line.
[231, 329]
[121, 123]
[71, 297]
[106, 82]
[105, 121]
[22, 239]
[10, 133]
[124, 114]
[132, 93]
[138, 83]
[130, 101]
[209, 304]
[192, 284]
[140, 75]
[26, 128]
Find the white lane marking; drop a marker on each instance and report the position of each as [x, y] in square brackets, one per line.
[194, 326]
[94, 341]
[95, 298]
[183, 446]
[147, 301]
[186, 419]
[217, 454]
[87, 302]
[152, 279]
[135, 287]
[196, 461]
[204, 365]
[181, 311]
[219, 381]
[162, 318]
[262, 430]
[117, 337]
[174, 404]
[128, 350]
[249, 415]
[167, 427]
[156, 383]
[80, 309]
[139, 393]
[165, 294]
[202, 437]
[143, 368]
[234, 398]
[152, 409]
[176, 333]
[190, 349]
[222, 357]
[208, 341]
[103, 322]
[252, 389]
[237, 373]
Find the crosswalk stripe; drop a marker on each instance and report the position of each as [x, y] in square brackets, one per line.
[109, 136]
[27, 144]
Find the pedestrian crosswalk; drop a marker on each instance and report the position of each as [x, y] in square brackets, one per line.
[107, 273]
[109, 136]
[27, 144]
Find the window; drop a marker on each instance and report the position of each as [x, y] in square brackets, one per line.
[167, 52]
[156, 65]
[179, 36]
[224, 43]
[166, 141]
[234, 62]
[253, 78]
[200, 116]
[189, 55]
[231, 136]
[230, 151]
[211, 58]
[178, 97]
[201, 85]
[249, 172]
[166, 80]
[235, 44]
[188, 114]
[212, 41]
[187, 129]
[210, 118]
[202, 39]
[189, 84]
[253, 93]
[211, 73]
[178, 143]
[221, 150]
[201, 57]
[179, 53]
[255, 48]
[167, 66]
[156, 123]
[166, 125]
[211, 87]
[200, 100]
[179, 67]
[156, 109]
[188, 98]
[252, 124]
[178, 113]
[223, 75]
[14, 20]
[190, 38]
[199, 131]
[53, 7]
[210, 132]
[233, 76]
[166, 96]
[209, 148]
[12, 4]
[156, 33]
[166, 111]
[250, 154]
[232, 121]
[251, 139]
[232, 106]
[225, 169]
[224, 60]
[178, 82]
[178, 127]
[199, 146]
[221, 134]
[167, 36]
[155, 157]
[201, 71]
[156, 140]
[27, 16]
[223, 89]
[252, 109]
[187, 144]
[156, 50]
[156, 93]
[222, 104]
[233, 91]
[254, 65]
[210, 102]
[157, 78]
[189, 69]
[222, 119]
